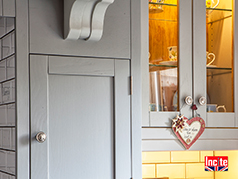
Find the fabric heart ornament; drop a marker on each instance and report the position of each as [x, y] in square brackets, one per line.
[188, 131]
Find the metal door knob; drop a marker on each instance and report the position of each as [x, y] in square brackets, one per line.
[41, 137]
[202, 101]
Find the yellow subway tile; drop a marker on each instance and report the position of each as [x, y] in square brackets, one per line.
[148, 171]
[155, 157]
[171, 170]
[232, 172]
[185, 156]
[205, 153]
[201, 178]
[197, 170]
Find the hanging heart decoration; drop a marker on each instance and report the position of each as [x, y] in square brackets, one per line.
[188, 131]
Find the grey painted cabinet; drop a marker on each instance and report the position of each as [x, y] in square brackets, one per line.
[83, 106]
[198, 34]
[79, 94]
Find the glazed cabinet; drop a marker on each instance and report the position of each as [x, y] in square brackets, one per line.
[191, 71]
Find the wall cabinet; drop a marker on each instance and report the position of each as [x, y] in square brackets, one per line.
[78, 93]
[192, 53]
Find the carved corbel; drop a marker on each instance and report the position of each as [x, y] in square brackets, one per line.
[84, 19]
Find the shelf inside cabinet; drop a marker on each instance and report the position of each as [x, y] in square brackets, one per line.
[213, 71]
[163, 4]
[162, 66]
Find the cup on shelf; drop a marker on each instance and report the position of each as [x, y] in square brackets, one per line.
[172, 53]
[215, 108]
[210, 58]
[155, 8]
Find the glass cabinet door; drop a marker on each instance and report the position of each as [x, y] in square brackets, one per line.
[214, 41]
[163, 55]
[219, 47]
[170, 59]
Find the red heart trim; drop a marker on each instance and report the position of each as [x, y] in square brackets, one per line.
[190, 122]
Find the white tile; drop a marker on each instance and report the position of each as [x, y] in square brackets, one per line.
[3, 115]
[13, 137]
[3, 71]
[5, 176]
[2, 25]
[12, 42]
[3, 160]
[6, 138]
[11, 114]
[10, 24]
[11, 67]
[11, 162]
[8, 45]
[0, 95]
[8, 91]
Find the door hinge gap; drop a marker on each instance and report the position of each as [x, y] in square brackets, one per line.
[131, 85]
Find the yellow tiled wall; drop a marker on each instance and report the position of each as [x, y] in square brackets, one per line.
[186, 165]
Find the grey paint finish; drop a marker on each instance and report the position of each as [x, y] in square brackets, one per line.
[8, 8]
[22, 94]
[46, 31]
[93, 111]
[39, 116]
[199, 55]
[87, 122]
[81, 66]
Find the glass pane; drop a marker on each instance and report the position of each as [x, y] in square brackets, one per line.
[219, 56]
[163, 42]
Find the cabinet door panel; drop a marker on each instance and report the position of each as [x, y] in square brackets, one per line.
[86, 119]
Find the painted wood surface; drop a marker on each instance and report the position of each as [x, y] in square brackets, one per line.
[175, 145]
[84, 19]
[139, 61]
[101, 132]
[22, 93]
[220, 119]
[209, 133]
[81, 66]
[46, 31]
[159, 139]
[199, 55]
[8, 8]
[39, 116]
[122, 120]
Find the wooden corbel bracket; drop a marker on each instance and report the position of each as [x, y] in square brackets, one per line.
[84, 19]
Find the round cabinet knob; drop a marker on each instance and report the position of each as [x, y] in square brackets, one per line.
[41, 137]
[202, 101]
[189, 100]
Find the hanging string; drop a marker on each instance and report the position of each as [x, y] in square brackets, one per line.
[181, 109]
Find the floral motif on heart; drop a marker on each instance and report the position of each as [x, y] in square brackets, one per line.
[188, 131]
[179, 123]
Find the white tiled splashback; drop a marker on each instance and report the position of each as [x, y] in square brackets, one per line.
[7, 98]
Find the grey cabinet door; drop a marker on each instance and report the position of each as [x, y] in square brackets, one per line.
[83, 106]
